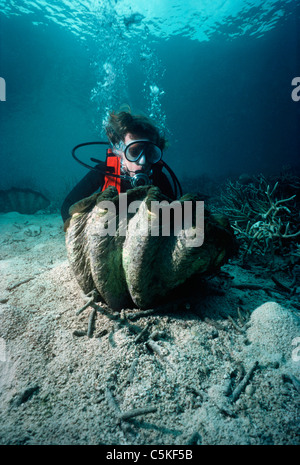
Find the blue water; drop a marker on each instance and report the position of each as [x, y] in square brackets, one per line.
[216, 76]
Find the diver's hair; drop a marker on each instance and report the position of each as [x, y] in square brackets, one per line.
[122, 122]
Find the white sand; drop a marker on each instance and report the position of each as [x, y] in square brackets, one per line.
[60, 388]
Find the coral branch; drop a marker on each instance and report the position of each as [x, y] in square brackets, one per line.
[260, 220]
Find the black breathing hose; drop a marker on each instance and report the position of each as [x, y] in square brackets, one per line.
[171, 172]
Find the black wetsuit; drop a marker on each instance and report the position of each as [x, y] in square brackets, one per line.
[94, 181]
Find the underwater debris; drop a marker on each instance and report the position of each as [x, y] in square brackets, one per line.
[265, 218]
[195, 439]
[136, 412]
[236, 326]
[25, 201]
[295, 381]
[142, 333]
[33, 231]
[91, 323]
[242, 385]
[13, 286]
[26, 395]
[91, 296]
[120, 416]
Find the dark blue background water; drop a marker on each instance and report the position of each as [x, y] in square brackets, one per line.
[227, 102]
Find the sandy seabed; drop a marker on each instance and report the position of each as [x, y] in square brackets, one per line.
[218, 368]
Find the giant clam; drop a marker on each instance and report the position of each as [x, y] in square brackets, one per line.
[22, 200]
[133, 269]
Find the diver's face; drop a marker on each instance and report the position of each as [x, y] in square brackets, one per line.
[141, 165]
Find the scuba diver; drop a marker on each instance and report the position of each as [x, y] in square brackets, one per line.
[134, 159]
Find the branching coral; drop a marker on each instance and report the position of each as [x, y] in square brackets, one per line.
[264, 220]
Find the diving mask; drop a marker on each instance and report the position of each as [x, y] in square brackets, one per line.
[137, 148]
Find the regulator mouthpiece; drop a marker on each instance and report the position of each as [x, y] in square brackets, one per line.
[140, 179]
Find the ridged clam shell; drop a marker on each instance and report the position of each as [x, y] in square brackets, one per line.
[26, 201]
[134, 268]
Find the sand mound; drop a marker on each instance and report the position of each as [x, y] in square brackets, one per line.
[272, 332]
